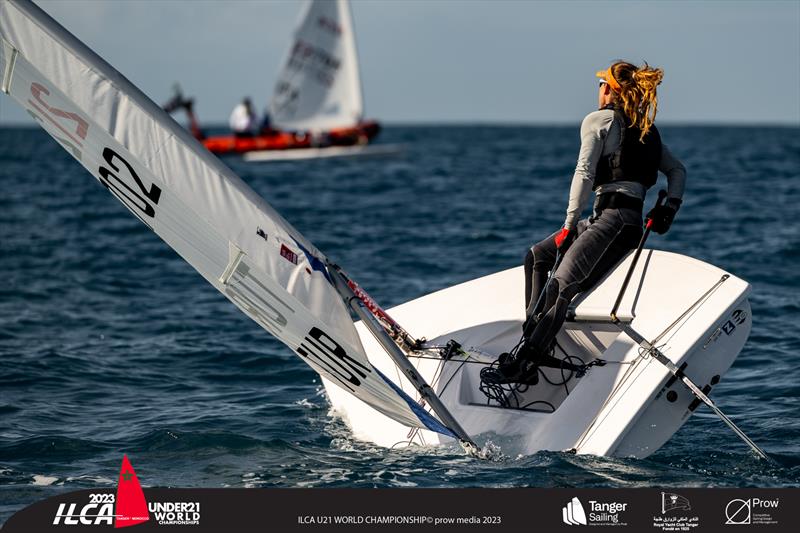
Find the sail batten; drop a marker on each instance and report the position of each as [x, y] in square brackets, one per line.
[184, 194]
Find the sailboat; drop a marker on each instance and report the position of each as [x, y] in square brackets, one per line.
[649, 363]
[317, 103]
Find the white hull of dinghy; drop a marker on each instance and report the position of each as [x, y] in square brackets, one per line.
[697, 314]
[328, 152]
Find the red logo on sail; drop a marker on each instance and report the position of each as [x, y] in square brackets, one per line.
[286, 253]
[131, 505]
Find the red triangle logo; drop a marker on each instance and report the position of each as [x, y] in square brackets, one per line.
[131, 505]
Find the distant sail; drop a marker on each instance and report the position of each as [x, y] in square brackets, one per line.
[319, 87]
[184, 194]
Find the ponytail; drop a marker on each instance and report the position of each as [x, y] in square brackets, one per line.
[637, 94]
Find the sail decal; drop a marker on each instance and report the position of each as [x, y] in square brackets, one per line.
[319, 86]
[212, 219]
[315, 262]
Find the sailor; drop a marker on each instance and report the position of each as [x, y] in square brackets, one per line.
[266, 128]
[620, 156]
[243, 119]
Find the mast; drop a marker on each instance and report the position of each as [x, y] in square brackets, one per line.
[340, 281]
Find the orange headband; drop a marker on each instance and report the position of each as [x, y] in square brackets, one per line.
[609, 77]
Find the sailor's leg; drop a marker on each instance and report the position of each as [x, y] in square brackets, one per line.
[604, 243]
[559, 295]
[538, 262]
[591, 256]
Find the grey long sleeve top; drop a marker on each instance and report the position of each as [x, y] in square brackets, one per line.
[600, 136]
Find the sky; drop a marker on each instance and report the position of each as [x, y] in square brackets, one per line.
[462, 61]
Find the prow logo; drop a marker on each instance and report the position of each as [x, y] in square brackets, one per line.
[573, 513]
[131, 505]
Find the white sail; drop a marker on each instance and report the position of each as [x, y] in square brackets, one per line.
[319, 87]
[191, 200]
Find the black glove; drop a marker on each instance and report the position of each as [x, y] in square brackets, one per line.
[663, 215]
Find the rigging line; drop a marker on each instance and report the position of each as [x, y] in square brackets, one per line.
[456, 371]
[643, 354]
[656, 354]
[467, 360]
[400, 358]
[564, 379]
[697, 303]
[437, 348]
[552, 407]
[415, 431]
[440, 371]
[589, 428]
[434, 382]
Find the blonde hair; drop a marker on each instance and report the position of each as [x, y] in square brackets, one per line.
[637, 94]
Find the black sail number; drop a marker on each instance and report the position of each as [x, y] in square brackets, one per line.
[327, 353]
[133, 195]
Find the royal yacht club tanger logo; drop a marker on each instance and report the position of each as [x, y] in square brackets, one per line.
[599, 513]
[673, 502]
[675, 514]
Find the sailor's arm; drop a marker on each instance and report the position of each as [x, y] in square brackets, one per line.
[663, 215]
[594, 131]
[676, 176]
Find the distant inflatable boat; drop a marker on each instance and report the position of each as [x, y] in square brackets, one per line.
[317, 102]
[292, 140]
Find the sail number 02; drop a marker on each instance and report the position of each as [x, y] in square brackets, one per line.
[135, 194]
[139, 196]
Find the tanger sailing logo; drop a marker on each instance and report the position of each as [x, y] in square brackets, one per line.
[573, 513]
[131, 507]
[599, 513]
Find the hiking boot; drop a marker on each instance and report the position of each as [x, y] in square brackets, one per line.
[530, 324]
[545, 357]
[512, 370]
[535, 353]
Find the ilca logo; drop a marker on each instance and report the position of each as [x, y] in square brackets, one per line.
[127, 507]
[573, 513]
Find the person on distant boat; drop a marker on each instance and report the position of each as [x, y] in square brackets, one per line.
[243, 119]
[178, 101]
[266, 125]
[620, 156]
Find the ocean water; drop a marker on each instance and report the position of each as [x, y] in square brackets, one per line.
[111, 344]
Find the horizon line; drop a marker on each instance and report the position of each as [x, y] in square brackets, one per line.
[490, 123]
